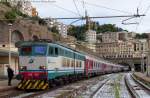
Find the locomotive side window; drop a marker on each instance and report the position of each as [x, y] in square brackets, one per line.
[51, 51]
[56, 51]
[27, 50]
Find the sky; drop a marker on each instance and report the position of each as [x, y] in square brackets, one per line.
[67, 8]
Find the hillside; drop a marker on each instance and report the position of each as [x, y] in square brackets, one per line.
[30, 27]
[4, 9]
[27, 28]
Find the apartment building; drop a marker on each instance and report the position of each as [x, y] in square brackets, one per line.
[121, 45]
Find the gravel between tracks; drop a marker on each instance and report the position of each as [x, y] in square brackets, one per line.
[73, 90]
[113, 88]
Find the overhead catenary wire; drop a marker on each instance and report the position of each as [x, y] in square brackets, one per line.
[76, 7]
[100, 6]
[34, 1]
[65, 9]
[140, 2]
[129, 23]
[140, 21]
[84, 7]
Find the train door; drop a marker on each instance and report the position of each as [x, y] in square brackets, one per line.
[104, 68]
[86, 66]
[91, 67]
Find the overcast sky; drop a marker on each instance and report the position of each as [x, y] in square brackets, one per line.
[66, 8]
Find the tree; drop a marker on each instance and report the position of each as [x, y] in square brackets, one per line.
[54, 29]
[79, 31]
[141, 36]
[108, 28]
[42, 22]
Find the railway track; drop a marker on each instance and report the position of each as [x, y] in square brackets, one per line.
[107, 86]
[10, 93]
[72, 90]
[113, 88]
[141, 83]
[136, 89]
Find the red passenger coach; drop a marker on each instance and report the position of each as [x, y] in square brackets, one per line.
[96, 66]
[104, 66]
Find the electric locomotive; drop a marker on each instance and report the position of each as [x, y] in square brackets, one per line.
[45, 62]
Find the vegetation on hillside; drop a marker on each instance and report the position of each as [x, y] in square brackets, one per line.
[79, 31]
[6, 3]
[141, 36]
[54, 30]
[108, 28]
[13, 14]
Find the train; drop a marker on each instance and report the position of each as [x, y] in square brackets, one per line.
[45, 63]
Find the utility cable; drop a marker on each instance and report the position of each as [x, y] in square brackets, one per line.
[76, 7]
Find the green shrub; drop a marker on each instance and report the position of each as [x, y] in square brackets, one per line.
[11, 16]
[42, 22]
[18, 12]
[5, 3]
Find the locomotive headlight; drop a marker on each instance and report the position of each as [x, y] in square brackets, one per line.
[23, 68]
[42, 67]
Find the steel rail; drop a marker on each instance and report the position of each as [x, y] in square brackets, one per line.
[142, 84]
[135, 89]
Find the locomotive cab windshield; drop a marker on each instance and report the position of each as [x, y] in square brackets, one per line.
[36, 50]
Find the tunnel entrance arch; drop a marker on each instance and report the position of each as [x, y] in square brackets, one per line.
[126, 64]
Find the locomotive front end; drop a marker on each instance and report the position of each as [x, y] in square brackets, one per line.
[33, 66]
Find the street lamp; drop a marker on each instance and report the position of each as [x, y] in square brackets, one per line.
[148, 58]
[142, 62]
[10, 25]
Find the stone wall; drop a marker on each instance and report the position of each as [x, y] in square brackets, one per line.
[27, 28]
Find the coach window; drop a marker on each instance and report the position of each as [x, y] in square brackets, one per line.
[68, 62]
[64, 62]
[80, 64]
[77, 64]
[72, 63]
[93, 65]
[62, 52]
